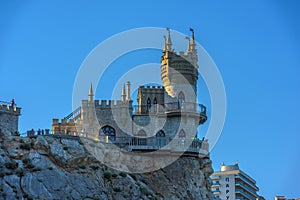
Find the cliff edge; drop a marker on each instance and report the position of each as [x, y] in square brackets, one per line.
[58, 167]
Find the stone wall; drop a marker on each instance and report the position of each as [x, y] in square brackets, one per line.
[9, 118]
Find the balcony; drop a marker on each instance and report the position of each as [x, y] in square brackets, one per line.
[216, 192]
[214, 177]
[168, 107]
[174, 108]
[216, 185]
[248, 182]
[245, 194]
[161, 143]
[245, 188]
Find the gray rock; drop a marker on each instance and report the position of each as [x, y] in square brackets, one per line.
[61, 168]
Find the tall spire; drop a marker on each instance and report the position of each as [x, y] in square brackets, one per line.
[91, 94]
[123, 96]
[169, 41]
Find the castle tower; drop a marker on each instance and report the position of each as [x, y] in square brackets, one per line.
[90, 125]
[9, 118]
[180, 72]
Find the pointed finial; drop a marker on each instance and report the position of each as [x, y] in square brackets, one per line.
[223, 164]
[236, 162]
[193, 35]
[165, 44]
[91, 94]
[189, 46]
[169, 41]
[192, 43]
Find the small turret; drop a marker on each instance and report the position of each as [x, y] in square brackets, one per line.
[180, 71]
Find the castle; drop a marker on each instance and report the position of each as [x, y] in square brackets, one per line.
[162, 114]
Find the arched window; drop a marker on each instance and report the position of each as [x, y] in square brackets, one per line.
[109, 131]
[182, 138]
[160, 138]
[140, 138]
[160, 133]
[181, 100]
[148, 105]
[155, 105]
[182, 134]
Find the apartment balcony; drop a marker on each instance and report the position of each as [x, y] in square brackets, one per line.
[216, 185]
[216, 192]
[245, 194]
[243, 179]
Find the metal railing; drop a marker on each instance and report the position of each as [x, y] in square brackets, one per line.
[137, 143]
[169, 107]
[75, 114]
[156, 143]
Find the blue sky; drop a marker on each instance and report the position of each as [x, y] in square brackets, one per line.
[255, 44]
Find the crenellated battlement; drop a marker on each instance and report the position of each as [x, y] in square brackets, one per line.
[151, 87]
[10, 109]
[108, 103]
[66, 122]
[66, 126]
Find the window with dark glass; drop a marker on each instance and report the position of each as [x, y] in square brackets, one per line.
[148, 105]
[155, 105]
[160, 138]
[109, 131]
[182, 134]
[181, 100]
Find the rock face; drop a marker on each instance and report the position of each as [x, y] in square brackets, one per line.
[49, 167]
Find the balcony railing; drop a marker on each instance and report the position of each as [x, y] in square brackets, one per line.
[169, 107]
[156, 143]
[245, 194]
[137, 143]
[245, 187]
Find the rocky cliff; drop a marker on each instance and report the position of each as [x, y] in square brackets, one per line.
[48, 167]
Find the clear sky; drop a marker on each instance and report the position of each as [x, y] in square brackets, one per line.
[255, 44]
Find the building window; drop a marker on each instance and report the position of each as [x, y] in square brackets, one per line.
[160, 138]
[148, 105]
[182, 134]
[181, 100]
[160, 133]
[155, 105]
[109, 131]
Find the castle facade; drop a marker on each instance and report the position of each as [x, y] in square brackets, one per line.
[162, 114]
